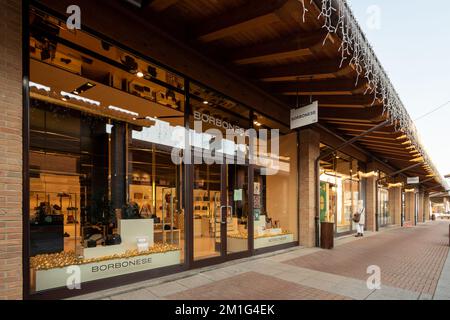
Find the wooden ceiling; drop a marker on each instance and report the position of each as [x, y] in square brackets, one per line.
[268, 44]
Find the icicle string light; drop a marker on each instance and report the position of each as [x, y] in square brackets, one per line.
[356, 50]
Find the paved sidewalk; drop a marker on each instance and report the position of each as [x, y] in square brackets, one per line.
[414, 264]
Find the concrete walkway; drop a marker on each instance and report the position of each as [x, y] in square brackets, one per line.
[413, 262]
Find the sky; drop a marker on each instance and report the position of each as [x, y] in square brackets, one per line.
[411, 38]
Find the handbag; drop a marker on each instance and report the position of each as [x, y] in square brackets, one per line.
[113, 239]
[356, 217]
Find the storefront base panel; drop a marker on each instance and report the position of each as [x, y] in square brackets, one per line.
[55, 278]
[237, 245]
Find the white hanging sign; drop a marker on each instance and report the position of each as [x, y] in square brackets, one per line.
[413, 180]
[305, 116]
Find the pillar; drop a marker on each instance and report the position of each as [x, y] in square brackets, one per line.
[409, 208]
[426, 206]
[309, 152]
[421, 212]
[11, 106]
[371, 205]
[395, 205]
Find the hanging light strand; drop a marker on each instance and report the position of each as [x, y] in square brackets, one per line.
[355, 50]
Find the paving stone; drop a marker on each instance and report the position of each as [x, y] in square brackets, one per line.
[216, 275]
[410, 259]
[254, 286]
[166, 289]
[140, 294]
[296, 277]
[194, 281]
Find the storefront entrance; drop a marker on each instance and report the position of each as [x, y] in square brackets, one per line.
[221, 211]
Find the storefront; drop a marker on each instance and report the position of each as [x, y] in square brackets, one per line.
[112, 190]
[137, 148]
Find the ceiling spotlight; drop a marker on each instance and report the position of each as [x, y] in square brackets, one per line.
[205, 102]
[256, 123]
[140, 74]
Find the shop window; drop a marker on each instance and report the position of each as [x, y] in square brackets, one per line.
[105, 197]
[340, 190]
[275, 187]
[384, 213]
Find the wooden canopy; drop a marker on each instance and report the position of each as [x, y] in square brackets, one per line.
[289, 57]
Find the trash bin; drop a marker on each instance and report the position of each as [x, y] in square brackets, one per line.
[327, 235]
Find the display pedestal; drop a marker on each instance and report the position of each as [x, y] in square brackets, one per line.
[131, 229]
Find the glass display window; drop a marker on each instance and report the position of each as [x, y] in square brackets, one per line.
[105, 196]
[275, 186]
[340, 190]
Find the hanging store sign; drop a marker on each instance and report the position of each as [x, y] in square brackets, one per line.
[305, 116]
[413, 180]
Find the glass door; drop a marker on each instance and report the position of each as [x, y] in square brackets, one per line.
[235, 213]
[220, 220]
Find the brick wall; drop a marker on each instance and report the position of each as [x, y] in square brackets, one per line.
[10, 150]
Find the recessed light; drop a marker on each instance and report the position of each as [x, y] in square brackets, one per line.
[140, 74]
[205, 102]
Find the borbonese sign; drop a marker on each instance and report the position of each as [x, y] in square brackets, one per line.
[304, 116]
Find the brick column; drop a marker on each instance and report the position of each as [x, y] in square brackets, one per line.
[426, 206]
[409, 208]
[11, 150]
[395, 205]
[309, 151]
[421, 216]
[371, 204]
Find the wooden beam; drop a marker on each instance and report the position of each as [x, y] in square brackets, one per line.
[253, 14]
[386, 142]
[338, 115]
[342, 101]
[161, 5]
[360, 130]
[328, 87]
[385, 148]
[310, 70]
[280, 49]
[376, 138]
